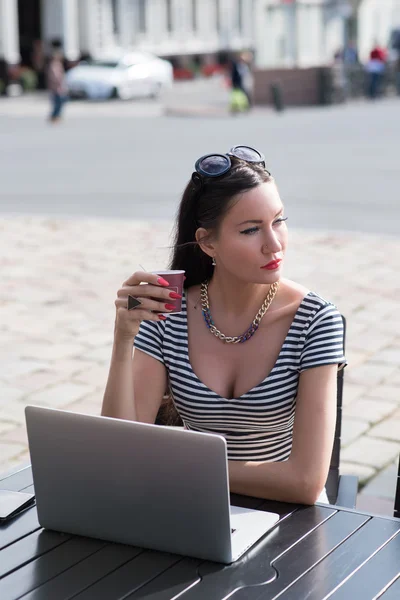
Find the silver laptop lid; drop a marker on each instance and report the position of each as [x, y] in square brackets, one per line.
[146, 485]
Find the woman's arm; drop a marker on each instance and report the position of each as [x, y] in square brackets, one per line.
[135, 387]
[118, 401]
[302, 477]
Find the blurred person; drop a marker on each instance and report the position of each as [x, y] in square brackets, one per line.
[351, 70]
[350, 53]
[375, 68]
[339, 80]
[56, 82]
[241, 75]
[267, 383]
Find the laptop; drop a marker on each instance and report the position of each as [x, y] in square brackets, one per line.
[150, 486]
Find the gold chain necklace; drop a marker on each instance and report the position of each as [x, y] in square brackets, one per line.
[205, 309]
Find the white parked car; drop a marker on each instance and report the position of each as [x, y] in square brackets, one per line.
[133, 75]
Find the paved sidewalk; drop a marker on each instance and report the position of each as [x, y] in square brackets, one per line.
[59, 279]
[37, 105]
[200, 97]
[197, 98]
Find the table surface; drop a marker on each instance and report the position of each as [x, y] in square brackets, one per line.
[313, 553]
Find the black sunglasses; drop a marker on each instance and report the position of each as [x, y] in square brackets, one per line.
[215, 165]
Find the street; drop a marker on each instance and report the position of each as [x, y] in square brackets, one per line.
[336, 167]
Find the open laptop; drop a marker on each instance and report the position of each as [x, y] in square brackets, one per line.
[154, 487]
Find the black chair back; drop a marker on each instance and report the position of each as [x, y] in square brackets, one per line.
[332, 483]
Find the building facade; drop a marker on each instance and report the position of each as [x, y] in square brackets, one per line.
[298, 33]
[169, 28]
[282, 33]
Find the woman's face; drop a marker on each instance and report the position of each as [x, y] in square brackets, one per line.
[252, 239]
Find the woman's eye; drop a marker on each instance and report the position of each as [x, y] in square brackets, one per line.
[250, 231]
[253, 230]
[280, 220]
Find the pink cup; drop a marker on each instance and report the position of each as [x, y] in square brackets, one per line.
[175, 280]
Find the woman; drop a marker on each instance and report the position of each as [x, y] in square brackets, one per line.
[264, 376]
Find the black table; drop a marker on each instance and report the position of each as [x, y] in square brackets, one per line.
[313, 553]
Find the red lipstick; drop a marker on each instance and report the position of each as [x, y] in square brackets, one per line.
[274, 264]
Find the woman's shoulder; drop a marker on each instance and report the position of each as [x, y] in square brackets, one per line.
[308, 300]
[291, 291]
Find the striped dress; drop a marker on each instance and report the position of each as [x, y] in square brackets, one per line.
[259, 425]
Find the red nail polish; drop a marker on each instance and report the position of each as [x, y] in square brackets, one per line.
[175, 296]
[170, 306]
[162, 317]
[162, 281]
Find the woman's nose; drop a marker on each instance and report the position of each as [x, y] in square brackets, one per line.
[272, 245]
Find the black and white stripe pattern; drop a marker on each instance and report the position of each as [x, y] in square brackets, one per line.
[259, 424]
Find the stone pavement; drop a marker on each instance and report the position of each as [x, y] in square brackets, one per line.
[58, 283]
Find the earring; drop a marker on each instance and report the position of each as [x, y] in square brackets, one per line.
[213, 262]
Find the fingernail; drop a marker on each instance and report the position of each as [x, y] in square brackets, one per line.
[162, 317]
[162, 281]
[175, 296]
[170, 306]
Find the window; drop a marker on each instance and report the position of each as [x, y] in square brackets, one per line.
[141, 16]
[169, 14]
[194, 15]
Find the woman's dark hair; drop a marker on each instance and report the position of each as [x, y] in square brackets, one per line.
[205, 206]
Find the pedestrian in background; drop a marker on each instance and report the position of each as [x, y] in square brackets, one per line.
[375, 68]
[351, 70]
[350, 53]
[56, 82]
[241, 76]
[339, 81]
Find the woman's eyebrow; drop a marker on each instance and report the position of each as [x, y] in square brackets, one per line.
[251, 221]
[259, 221]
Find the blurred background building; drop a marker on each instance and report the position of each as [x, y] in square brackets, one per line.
[170, 28]
[299, 33]
[281, 34]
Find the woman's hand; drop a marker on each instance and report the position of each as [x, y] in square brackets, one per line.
[154, 299]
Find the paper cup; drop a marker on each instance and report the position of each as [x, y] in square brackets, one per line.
[175, 280]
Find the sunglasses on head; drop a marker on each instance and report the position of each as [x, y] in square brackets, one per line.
[215, 165]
